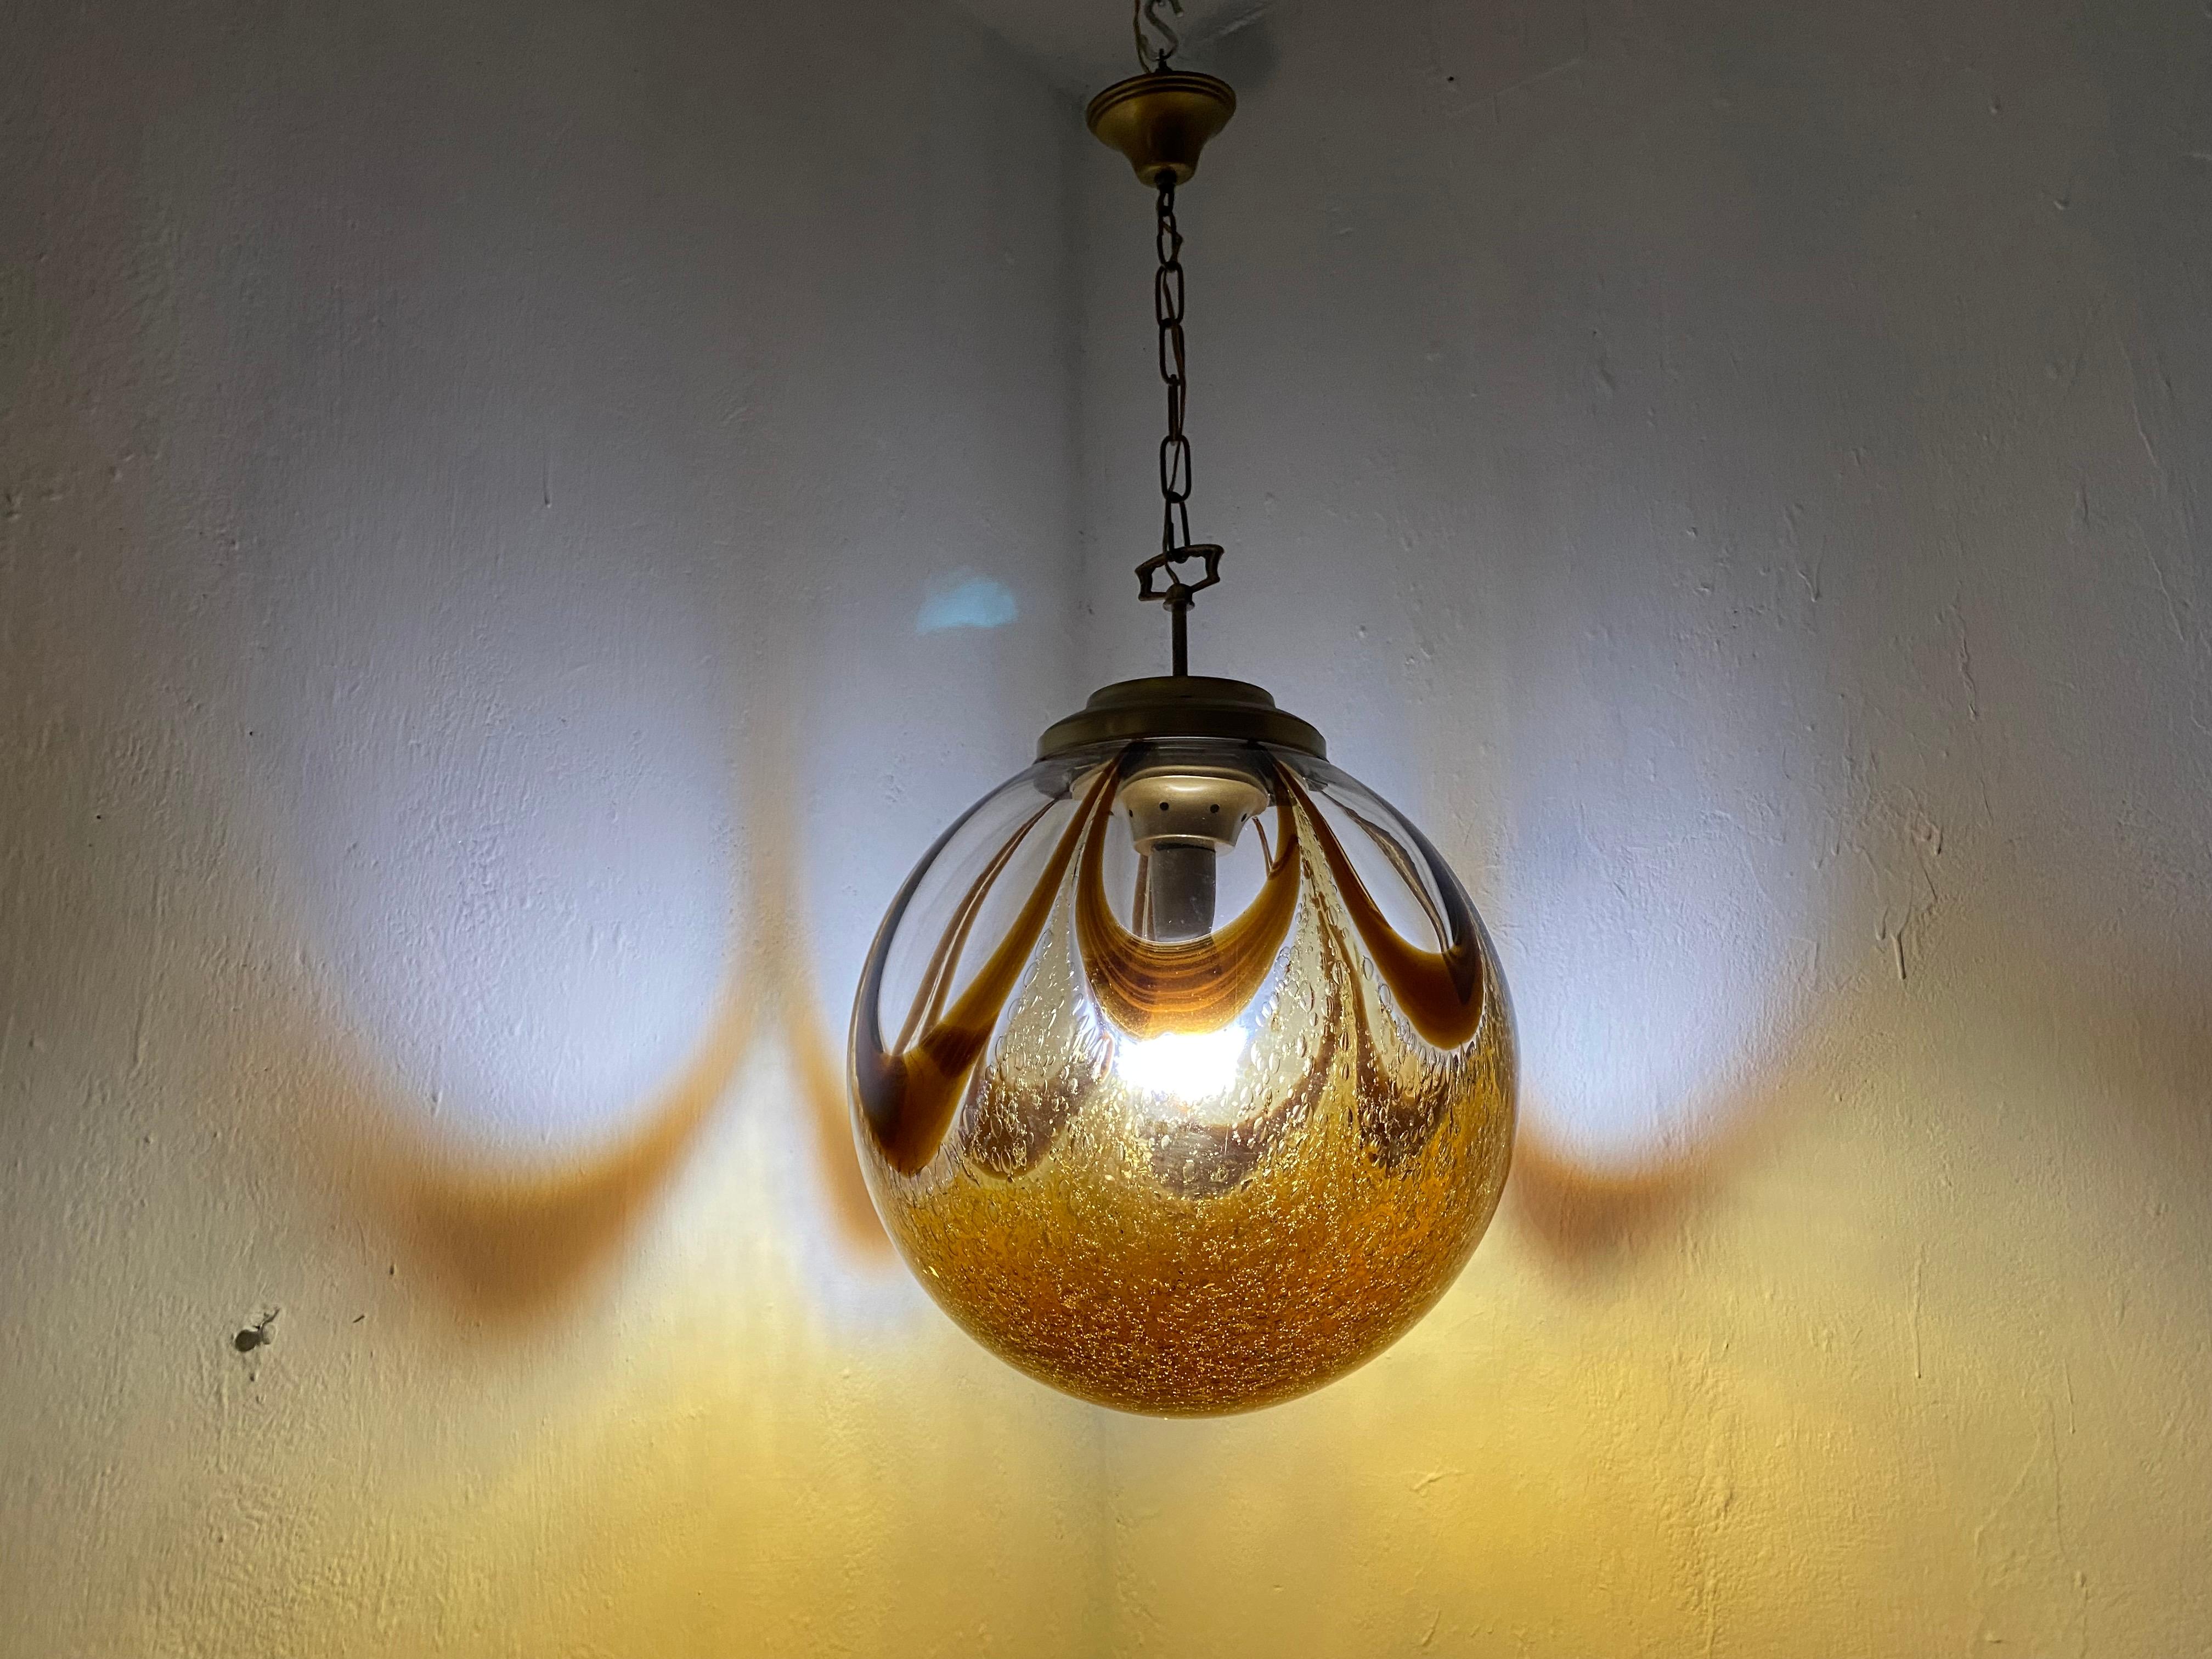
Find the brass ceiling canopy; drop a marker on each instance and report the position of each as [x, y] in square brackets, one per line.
[1161, 120]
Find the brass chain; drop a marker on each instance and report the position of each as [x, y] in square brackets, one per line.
[1167, 311]
[1176, 544]
[1157, 42]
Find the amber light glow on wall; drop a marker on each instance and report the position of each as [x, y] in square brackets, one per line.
[517, 526]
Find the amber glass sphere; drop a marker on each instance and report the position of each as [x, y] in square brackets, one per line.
[1183, 1073]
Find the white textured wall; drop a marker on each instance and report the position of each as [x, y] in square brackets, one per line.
[516, 524]
[470, 482]
[1739, 473]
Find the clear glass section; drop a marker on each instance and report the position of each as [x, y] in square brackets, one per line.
[1184, 1074]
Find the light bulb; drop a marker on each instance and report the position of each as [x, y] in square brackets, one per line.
[1182, 1065]
[1183, 1068]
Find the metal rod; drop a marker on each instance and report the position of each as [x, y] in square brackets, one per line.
[1181, 613]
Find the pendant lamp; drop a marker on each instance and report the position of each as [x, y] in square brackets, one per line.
[1182, 1070]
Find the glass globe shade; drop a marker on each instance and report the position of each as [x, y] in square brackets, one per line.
[1183, 1071]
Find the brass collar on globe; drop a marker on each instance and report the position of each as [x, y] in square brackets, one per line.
[1180, 706]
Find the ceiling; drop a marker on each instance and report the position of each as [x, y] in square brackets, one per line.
[1084, 44]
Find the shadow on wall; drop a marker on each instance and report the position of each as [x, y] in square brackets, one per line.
[1585, 1216]
[515, 1242]
[1633, 990]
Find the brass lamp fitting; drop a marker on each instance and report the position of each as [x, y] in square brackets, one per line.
[1161, 120]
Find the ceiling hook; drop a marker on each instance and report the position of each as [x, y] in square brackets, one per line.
[1148, 23]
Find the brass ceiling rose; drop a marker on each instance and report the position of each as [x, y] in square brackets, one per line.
[1162, 120]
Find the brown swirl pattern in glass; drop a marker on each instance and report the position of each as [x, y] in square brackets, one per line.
[1191, 1176]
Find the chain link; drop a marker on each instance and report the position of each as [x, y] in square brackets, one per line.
[1153, 51]
[1167, 311]
[1176, 547]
